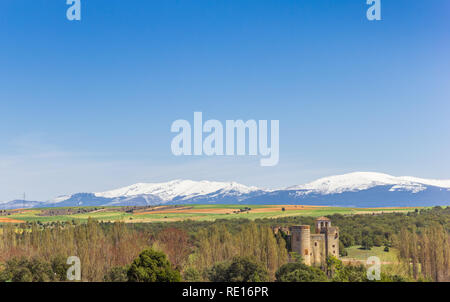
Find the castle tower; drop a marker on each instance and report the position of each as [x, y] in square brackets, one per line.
[301, 242]
[318, 253]
[323, 226]
[332, 238]
[322, 223]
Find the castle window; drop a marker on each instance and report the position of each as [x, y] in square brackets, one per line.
[297, 238]
[334, 252]
[306, 251]
[315, 243]
[334, 246]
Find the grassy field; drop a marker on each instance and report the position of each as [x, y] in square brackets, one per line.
[356, 253]
[390, 263]
[193, 212]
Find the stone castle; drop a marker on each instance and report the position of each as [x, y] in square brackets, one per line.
[314, 248]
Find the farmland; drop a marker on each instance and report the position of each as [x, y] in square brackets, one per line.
[180, 213]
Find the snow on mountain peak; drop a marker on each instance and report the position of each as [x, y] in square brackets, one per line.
[358, 181]
[177, 188]
[351, 182]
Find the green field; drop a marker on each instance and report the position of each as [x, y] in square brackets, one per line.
[356, 253]
[184, 212]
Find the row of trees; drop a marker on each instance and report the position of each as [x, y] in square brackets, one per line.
[218, 244]
[426, 251]
[98, 248]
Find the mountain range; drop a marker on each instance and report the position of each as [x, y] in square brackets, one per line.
[358, 189]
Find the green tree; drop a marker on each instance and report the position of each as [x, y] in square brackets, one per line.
[152, 266]
[241, 269]
[346, 240]
[345, 273]
[367, 243]
[342, 251]
[299, 272]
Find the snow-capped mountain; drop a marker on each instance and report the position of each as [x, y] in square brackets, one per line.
[359, 181]
[359, 189]
[181, 189]
[176, 191]
[364, 189]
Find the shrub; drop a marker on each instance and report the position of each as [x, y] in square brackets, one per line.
[116, 274]
[192, 275]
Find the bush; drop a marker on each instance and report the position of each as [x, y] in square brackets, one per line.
[393, 278]
[59, 267]
[152, 266]
[25, 270]
[192, 275]
[116, 274]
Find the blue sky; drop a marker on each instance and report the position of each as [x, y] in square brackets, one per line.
[87, 106]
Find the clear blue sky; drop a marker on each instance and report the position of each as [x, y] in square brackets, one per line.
[87, 106]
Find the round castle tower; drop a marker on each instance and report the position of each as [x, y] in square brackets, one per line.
[301, 242]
